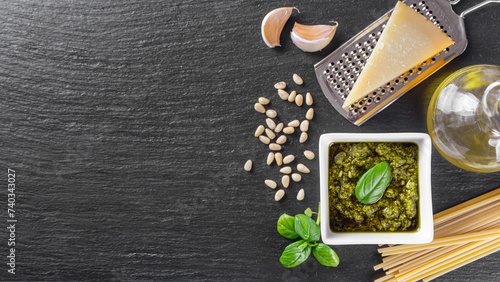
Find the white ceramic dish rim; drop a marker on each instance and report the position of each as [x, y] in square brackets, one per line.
[426, 232]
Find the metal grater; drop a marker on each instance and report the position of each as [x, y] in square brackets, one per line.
[337, 72]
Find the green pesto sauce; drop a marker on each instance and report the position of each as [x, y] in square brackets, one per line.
[397, 210]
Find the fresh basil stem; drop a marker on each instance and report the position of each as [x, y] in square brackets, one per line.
[313, 244]
[371, 186]
[319, 214]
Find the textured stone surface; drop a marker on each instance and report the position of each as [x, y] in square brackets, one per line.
[129, 122]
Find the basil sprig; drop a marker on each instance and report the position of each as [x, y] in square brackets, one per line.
[371, 186]
[304, 226]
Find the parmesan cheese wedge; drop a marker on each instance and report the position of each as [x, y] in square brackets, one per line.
[408, 39]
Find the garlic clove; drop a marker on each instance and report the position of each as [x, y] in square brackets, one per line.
[273, 24]
[312, 38]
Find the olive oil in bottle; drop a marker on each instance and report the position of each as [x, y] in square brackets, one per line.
[464, 118]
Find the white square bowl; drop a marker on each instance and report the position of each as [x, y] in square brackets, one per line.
[424, 234]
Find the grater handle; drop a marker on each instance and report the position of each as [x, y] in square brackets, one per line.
[473, 8]
[453, 2]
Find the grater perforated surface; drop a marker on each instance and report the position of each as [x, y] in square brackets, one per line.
[338, 72]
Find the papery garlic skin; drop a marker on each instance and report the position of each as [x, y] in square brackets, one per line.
[312, 38]
[273, 24]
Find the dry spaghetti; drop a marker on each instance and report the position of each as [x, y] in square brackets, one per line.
[463, 234]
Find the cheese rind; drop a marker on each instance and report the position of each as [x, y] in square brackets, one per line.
[408, 39]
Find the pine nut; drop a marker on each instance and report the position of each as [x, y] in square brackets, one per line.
[310, 114]
[286, 170]
[274, 147]
[292, 96]
[279, 195]
[264, 139]
[280, 85]
[283, 94]
[270, 123]
[285, 180]
[304, 125]
[281, 140]
[303, 137]
[297, 79]
[294, 123]
[270, 158]
[248, 165]
[301, 195]
[296, 177]
[299, 100]
[288, 130]
[264, 101]
[309, 155]
[279, 127]
[288, 159]
[309, 99]
[259, 108]
[259, 130]
[302, 168]
[271, 113]
[270, 133]
[279, 158]
[270, 183]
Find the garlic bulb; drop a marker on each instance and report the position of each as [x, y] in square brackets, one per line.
[312, 38]
[273, 24]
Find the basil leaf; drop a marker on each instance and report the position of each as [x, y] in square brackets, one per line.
[308, 212]
[286, 226]
[307, 228]
[295, 254]
[371, 186]
[325, 255]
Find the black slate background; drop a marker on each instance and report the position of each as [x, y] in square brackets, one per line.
[128, 124]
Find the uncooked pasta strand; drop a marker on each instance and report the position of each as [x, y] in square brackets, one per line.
[442, 230]
[473, 257]
[445, 241]
[466, 206]
[424, 270]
